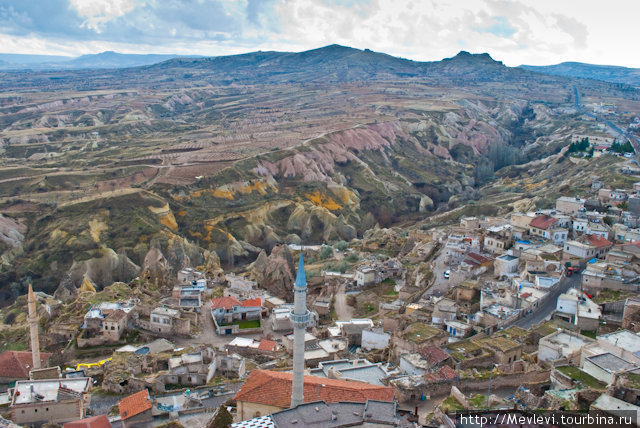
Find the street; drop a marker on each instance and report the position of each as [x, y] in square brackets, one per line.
[549, 305]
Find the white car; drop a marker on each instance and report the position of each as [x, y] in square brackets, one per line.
[447, 274]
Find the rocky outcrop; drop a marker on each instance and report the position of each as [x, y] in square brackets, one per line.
[100, 271]
[276, 272]
[155, 268]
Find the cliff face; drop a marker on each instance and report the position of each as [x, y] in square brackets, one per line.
[275, 273]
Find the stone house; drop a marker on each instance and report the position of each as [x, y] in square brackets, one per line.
[34, 402]
[168, 321]
[366, 275]
[114, 325]
[231, 316]
[505, 351]
[230, 365]
[135, 409]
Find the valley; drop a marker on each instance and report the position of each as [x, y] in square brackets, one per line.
[237, 154]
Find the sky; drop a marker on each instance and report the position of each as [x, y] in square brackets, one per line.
[537, 32]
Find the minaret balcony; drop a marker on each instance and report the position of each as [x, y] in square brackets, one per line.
[300, 320]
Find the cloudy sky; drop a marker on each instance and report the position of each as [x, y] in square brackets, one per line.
[513, 31]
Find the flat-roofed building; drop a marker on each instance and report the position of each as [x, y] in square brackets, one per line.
[34, 402]
[605, 367]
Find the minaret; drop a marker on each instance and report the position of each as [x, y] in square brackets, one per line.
[300, 321]
[33, 329]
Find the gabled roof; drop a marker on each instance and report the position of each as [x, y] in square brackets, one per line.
[542, 222]
[16, 364]
[443, 373]
[267, 345]
[475, 258]
[250, 303]
[100, 421]
[433, 355]
[224, 302]
[134, 404]
[598, 241]
[274, 389]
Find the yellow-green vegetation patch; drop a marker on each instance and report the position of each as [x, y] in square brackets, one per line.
[500, 343]
[419, 332]
[514, 333]
[585, 379]
[451, 404]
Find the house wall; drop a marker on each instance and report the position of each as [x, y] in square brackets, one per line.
[54, 412]
[597, 372]
[248, 410]
[141, 420]
[373, 340]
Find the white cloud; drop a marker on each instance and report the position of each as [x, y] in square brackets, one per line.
[98, 12]
[513, 31]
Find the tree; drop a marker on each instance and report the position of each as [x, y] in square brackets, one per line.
[223, 418]
[341, 245]
[326, 252]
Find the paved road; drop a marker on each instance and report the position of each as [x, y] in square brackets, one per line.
[550, 304]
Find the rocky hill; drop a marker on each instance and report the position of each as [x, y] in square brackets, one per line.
[222, 160]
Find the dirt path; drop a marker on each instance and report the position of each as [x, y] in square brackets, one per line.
[344, 311]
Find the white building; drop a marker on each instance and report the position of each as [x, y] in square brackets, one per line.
[505, 264]
[562, 344]
[604, 367]
[374, 339]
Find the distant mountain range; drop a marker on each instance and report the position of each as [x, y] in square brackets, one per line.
[607, 73]
[107, 59]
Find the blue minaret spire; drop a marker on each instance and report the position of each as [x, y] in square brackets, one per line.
[300, 321]
[301, 277]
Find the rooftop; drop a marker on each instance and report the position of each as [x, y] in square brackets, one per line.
[542, 222]
[38, 391]
[623, 339]
[274, 389]
[224, 303]
[608, 403]
[499, 343]
[100, 421]
[134, 404]
[433, 354]
[568, 342]
[419, 332]
[173, 313]
[16, 364]
[611, 363]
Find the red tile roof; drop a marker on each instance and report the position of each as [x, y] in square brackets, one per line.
[443, 373]
[134, 404]
[100, 421]
[542, 222]
[274, 389]
[16, 364]
[433, 355]
[251, 303]
[598, 241]
[267, 345]
[477, 258]
[224, 302]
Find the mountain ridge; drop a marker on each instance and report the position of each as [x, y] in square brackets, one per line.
[606, 73]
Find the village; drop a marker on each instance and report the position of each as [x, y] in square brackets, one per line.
[532, 310]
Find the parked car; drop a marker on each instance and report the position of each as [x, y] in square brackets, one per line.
[447, 274]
